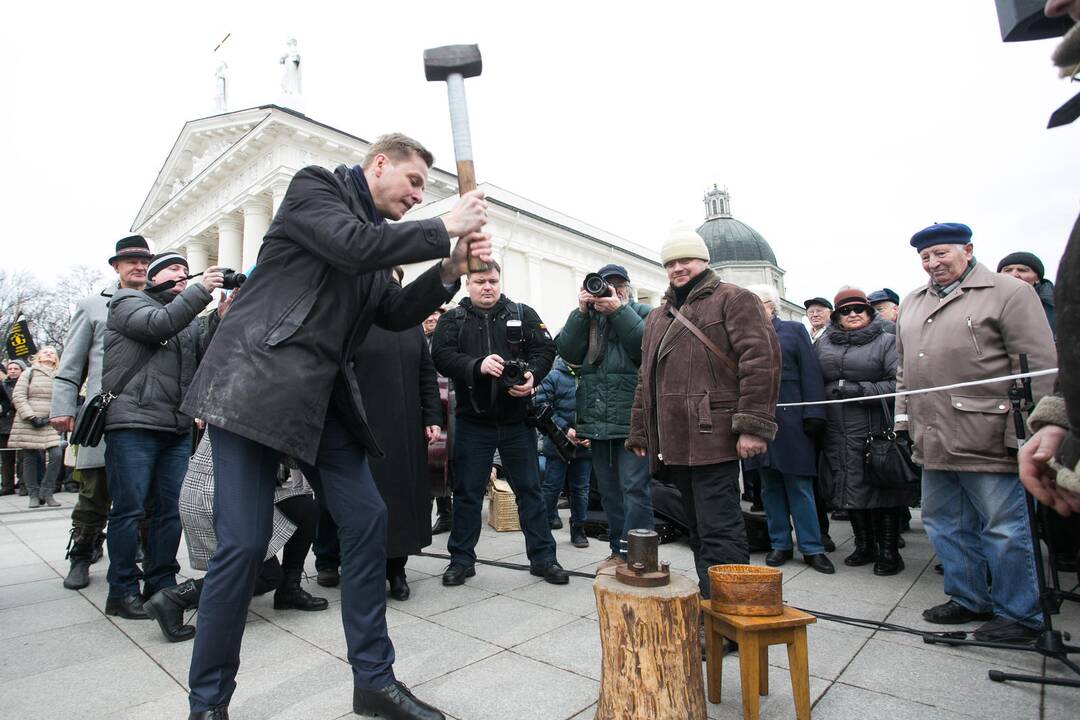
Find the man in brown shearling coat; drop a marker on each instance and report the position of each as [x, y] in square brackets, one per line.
[699, 409]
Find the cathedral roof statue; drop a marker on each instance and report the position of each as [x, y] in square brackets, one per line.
[730, 240]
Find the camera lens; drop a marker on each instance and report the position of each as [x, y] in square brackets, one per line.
[595, 285]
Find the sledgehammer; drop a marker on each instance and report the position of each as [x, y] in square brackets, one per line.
[454, 63]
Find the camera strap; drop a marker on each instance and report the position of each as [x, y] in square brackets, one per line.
[720, 355]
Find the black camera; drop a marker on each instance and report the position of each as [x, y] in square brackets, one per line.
[513, 373]
[596, 285]
[232, 279]
[541, 418]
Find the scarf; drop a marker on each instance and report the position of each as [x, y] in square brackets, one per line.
[681, 293]
[944, 291]
[598, 336]
[364, 192]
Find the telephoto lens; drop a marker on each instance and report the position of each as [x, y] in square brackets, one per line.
[596, 285]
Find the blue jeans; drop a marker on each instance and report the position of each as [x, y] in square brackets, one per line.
[625, 490]
[246, 473]
[142, 463]
[784, 495]
[976, 521]
[555, 473]
[474, 448]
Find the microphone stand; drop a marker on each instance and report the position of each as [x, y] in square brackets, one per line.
[1050, 643]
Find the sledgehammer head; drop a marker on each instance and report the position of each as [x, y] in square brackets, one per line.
[443, 61]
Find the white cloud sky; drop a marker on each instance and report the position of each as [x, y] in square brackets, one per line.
[840, 128]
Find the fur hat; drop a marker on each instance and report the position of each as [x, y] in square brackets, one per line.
[683, 242]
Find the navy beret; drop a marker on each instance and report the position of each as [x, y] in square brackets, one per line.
[883, 295]
[817, 301]
[614, 270]
[941, 234]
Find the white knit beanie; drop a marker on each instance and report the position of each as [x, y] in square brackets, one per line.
[683, 242]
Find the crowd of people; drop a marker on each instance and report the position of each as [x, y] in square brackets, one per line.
[295, 416]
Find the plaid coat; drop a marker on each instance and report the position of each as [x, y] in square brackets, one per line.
[197, 508]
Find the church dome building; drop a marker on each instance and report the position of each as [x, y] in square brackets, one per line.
[738, 253]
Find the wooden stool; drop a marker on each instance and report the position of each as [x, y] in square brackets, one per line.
[651, 652]
[755, 635]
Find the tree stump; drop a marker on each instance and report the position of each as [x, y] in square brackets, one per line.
[651, 651]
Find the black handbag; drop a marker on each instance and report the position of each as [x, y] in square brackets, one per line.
[89, 426]
[887, 459]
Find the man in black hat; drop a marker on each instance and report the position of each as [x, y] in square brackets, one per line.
[818, 310]
[1029, 268]
[83, 353]
[603, 336]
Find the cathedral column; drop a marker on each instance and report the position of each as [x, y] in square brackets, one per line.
[230, 242]
[536, 283]
[277, 194]
[198, 255]
[256, 222]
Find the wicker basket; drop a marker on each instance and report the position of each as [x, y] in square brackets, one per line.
[502, 507]
[746, 590]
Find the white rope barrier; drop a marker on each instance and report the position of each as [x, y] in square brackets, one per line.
[920, 391]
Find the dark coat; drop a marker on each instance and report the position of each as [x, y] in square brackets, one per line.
[1045, 290]
[286, 346]
[162, 333]
[7, 405]
[793, 452]
[605, 387]
[560, 388]
[865, 360]
[1067, 299]
[466, 335]
[399, 386]
[689, 407]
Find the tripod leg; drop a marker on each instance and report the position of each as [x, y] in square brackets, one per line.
[998, 676]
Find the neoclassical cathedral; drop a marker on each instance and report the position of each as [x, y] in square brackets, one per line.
[226, 175]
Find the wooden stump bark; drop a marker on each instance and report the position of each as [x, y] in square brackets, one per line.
[651, 651]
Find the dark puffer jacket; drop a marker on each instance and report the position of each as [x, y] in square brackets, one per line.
[161, 331]
[863, 359]
[560, 388]
[605, 387]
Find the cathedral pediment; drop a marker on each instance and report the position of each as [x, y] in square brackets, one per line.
[199, 144]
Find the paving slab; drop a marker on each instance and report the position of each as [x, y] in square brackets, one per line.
[575, 598]
[956, 684]
[844, 702]
[32, 593]
[29, 619]
[503, 621]
[430, 597]
[426, 650]
[55, 649]
[574, 647]
[830, 650]
[28, 573]
[508, 685]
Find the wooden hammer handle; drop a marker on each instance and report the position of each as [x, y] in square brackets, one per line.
[466, 182]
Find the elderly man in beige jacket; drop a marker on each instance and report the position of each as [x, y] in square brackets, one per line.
[969, 323]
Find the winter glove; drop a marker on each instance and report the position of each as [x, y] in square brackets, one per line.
[814, 429]
[39, 422]
[845, 391]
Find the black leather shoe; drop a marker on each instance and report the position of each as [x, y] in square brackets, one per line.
[556, 524]
[218, 713]
[827, 541]
[1002, 629]
[776, 558]
[393, 702]
[442, 524]
[399, 587]
[953, 613]
[167, 606]
[820, 563]
[329, 577]
[456, 574]
[130, 607]
[552, 572]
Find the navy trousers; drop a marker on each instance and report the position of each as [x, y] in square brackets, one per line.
[245, 473]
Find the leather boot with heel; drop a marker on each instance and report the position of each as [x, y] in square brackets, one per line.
[865, 548]
[168, 605]
[889, 561]
[290, 596]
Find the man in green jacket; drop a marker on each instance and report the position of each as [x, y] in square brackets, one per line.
[603, 336]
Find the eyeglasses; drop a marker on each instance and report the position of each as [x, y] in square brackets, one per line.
[849, 309]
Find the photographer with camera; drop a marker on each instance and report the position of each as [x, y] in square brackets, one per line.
[603, 336]
[155, 334]
[495, 351]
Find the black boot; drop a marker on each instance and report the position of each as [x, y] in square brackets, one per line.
[399, 586]
[80, 552]
[167, 606]
[219, 713]
[290, 596]
[865, 548]
[442, 519]
[577, 535]
[99, 547]
[889, 561]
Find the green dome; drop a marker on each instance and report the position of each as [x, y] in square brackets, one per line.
[730, 240]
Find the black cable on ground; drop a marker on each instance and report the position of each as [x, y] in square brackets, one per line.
[841, 619]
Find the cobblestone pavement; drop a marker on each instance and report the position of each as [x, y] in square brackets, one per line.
[505, 645]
